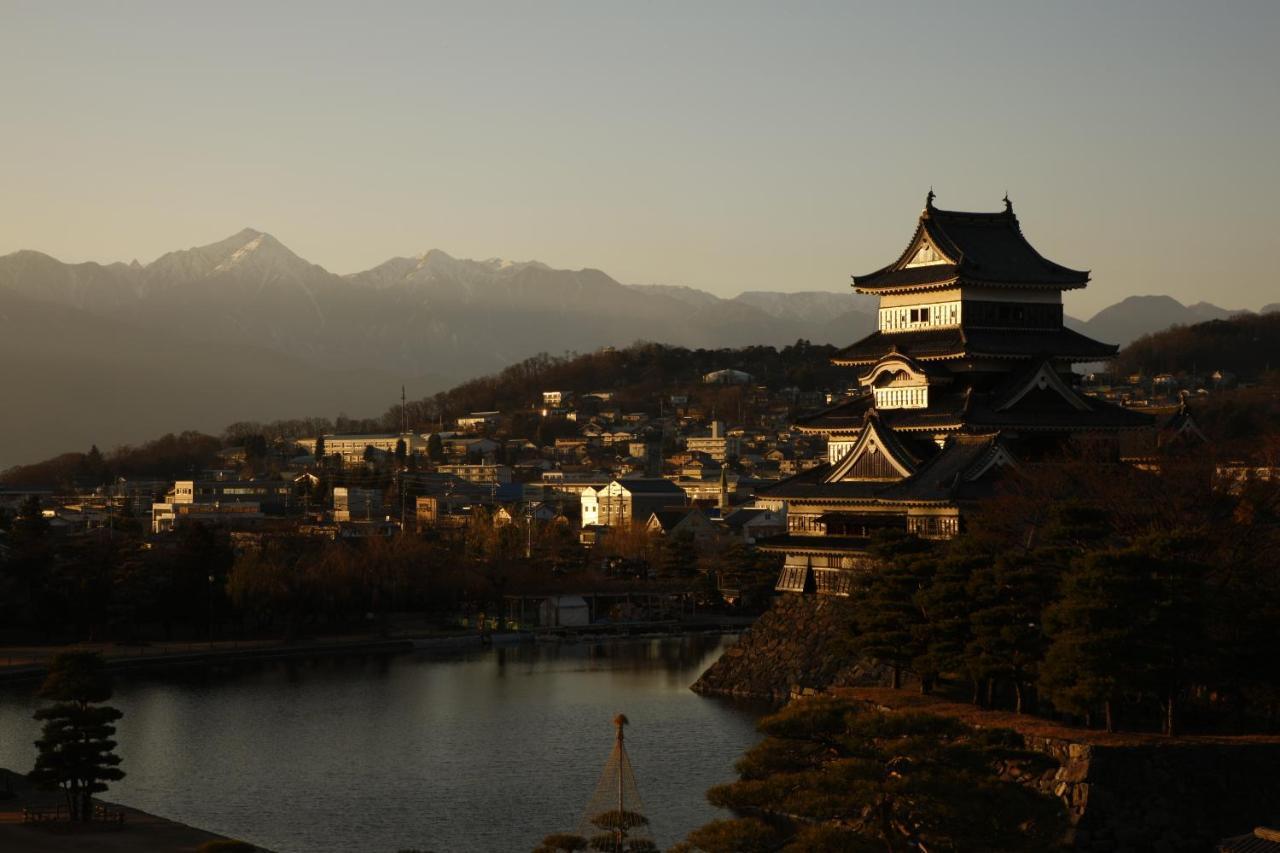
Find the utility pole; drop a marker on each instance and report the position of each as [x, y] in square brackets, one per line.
[404, 433]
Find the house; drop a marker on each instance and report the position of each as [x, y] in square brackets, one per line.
[166, 516]
[682, 521]
[484, 474]
[627, 501]
[556, 398]
[477, 421]
[470, 448]
[355, 504]
[751, 525]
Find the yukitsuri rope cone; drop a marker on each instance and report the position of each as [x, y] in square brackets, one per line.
[614, 821]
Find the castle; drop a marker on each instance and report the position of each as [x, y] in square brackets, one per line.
[968, 372]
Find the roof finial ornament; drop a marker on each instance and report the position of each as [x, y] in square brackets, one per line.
[1008, 205]
[928, 200]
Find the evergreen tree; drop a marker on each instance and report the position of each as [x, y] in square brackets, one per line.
[76, 750]
[1173, 650]
[1007, 639]
[833, 775]
[435, 447]
[945, 632]
[402, 452]
[24, 573]
[319, 451]
[1095, 629]
[678, 556]
[887, 618]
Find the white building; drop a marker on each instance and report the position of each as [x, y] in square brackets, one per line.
[727, 377]
[718, 445]
[351, 447]
[622, 502]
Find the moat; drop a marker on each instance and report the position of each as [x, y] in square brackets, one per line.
[482, 750]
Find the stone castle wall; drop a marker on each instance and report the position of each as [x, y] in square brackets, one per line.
[1176, 797]
[801, 644]
[1164, 796]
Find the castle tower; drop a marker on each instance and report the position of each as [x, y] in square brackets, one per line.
[969, 367]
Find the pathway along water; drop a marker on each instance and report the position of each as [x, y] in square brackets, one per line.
[452, 752]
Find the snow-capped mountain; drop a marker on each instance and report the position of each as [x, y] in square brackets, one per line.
[213, 313]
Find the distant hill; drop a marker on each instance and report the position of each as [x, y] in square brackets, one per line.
[1247, 345]
[243, 328]
[76, 379]
[1135, 316]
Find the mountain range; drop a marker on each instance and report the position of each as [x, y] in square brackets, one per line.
[244, 329]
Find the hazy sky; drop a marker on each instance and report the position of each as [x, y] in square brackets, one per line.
[728, 146]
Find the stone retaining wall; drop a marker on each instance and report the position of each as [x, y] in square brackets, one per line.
[1175, 796]
[1167, 798]
[799, 645]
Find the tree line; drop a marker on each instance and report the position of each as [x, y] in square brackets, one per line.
[1106, 594]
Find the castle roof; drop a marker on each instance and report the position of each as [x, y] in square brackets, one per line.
[1033, 398]
[959, 342]
[951, 246]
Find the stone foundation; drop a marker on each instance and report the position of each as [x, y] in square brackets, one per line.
[1127, 793]
[1134, 793]
[799, 645]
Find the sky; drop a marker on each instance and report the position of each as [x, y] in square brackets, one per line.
[728, 146]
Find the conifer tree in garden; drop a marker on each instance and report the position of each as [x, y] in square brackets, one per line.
[945, 631]
[76, 751]
[1007, 641]
[319, 454]
[834, 775]
[1095, 631]
[887, 615]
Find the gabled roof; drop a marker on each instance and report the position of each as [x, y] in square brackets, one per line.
[956, 473]
[647, 485]
[1181, 426]
[952, 246]
[877, 455]
[957, 342]
[895, 362]
[1037, 376]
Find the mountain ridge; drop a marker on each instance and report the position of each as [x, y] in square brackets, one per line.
[424, 315]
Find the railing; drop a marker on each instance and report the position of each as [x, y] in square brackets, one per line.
[60, 814]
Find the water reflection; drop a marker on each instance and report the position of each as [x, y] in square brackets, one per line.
[451, 751]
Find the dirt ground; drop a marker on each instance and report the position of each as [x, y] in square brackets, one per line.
[141, 833]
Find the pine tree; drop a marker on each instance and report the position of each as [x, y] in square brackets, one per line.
[945, 631]
[319, 451]
[678, 556]
[1007, 642]
[76, 750]
[1095, 629]
[435, 447]
[833, 775]
[888, 619]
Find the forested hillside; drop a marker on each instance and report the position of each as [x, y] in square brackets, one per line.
[639, 375]
[1247, 345]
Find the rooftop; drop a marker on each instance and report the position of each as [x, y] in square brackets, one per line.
[952, 246]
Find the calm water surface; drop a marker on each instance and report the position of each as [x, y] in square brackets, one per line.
[471, 751]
